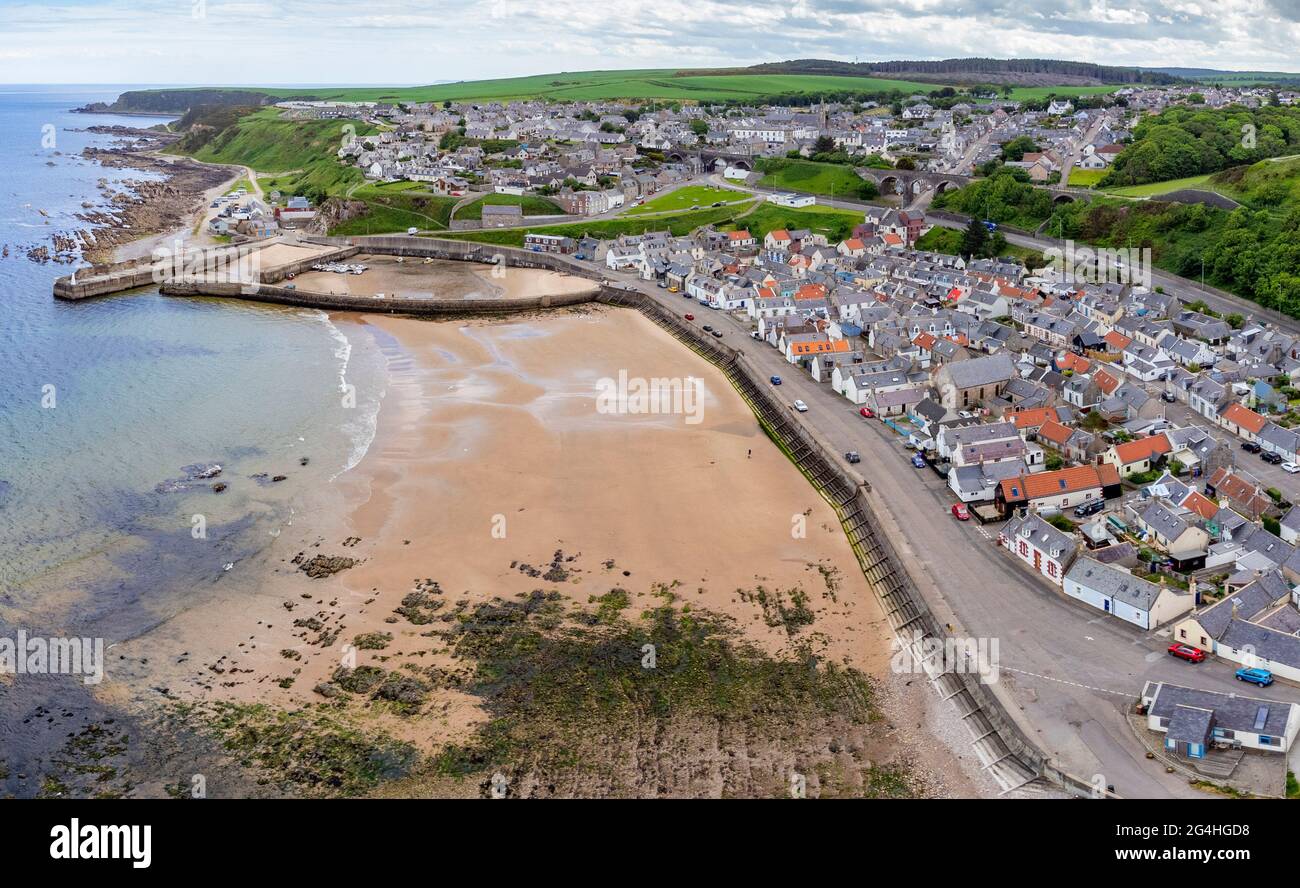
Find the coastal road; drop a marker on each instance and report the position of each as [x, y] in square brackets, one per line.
[1072, 671]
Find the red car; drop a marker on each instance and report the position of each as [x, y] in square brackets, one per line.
[689, 317]
[1187, 652]
[867, 413]
[960, 512]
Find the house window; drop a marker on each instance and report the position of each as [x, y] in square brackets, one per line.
[1182, 633]
[1024, 548]
[1051, 569]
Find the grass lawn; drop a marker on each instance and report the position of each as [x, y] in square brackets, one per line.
[1086, 178]
[835, 224]
[533, 205]
[607, 229]
[684, 198]
[816, 178]
[1030, 93]
[1152, 189]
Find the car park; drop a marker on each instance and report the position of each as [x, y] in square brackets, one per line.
[960, 512]
[1261, 677]
[1187, 652]
[801, 406]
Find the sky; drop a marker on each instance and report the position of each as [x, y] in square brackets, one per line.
[271, 42]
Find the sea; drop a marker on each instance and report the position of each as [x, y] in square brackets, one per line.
[113, 409]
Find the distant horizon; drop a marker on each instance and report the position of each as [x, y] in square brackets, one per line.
[382, 42]
[407, 84]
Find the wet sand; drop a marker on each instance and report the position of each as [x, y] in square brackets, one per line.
[492, 467]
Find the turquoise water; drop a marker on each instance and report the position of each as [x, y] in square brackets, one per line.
[104, 402]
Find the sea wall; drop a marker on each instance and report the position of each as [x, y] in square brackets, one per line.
[416, 306]
[998, 737]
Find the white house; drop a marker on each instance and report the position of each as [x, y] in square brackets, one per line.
[1192, 720]
[1040, 545]
[1114, 590]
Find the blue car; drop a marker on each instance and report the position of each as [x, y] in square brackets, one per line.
[1261, 677]
[918, 461]
[776, 380]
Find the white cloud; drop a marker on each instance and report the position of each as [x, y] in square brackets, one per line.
[385, 41]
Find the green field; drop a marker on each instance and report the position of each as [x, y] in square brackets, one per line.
[684, 198]
[1032, 93]
[679, 224]
[652, 83]
[836, 224]
[533, 205]
[1086, 178]
[814, 178]
[1154, 189]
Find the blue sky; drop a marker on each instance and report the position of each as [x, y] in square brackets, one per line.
[378, 41]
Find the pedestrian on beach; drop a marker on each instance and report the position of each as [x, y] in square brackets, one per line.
[749, 454]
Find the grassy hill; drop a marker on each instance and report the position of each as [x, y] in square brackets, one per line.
[817, 178]
[650, 84]
[533, 205]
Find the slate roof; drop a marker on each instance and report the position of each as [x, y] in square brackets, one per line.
[1232, 712]
[1115, 583]
[981, 371]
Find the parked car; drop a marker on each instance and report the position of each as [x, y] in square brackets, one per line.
[852, 456]
[689, 317]
[412, 230]
[708, 328]
[776, 380]
[1250, 447]
[1083, 510]
[960, 512]
[1168, 397]
[672, 289]
[1271, 458]
[753, 334]
[1261, 677]
[717, 334]
[1290, 468]
[918, 460]
[1187, 652]
[662, 285]
[801, 406]
[867, 413]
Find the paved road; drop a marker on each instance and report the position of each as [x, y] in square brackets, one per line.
[1072, 670]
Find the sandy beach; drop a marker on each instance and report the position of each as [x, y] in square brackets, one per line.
[496, 475]
[442, 279]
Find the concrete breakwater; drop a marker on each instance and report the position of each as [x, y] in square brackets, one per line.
[214, 271]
